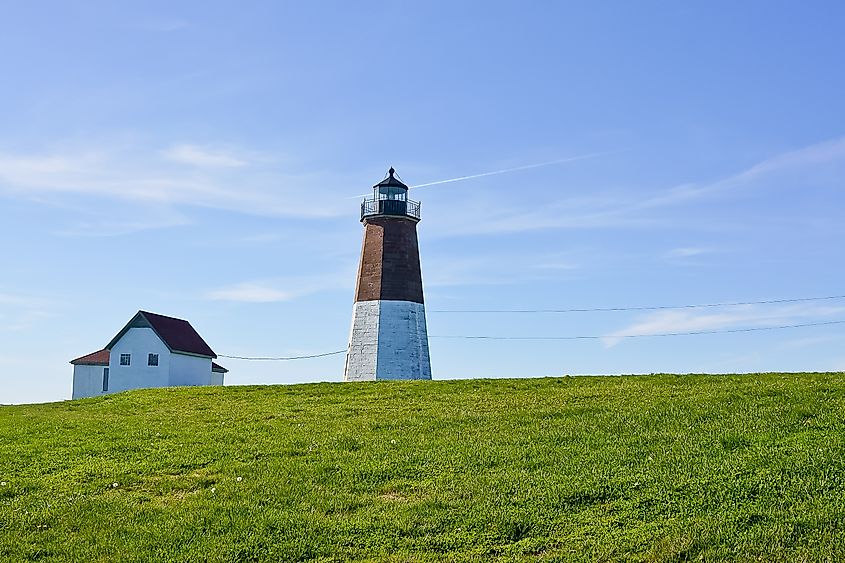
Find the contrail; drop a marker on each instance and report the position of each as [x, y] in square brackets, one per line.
[515, 169]
[507, 170]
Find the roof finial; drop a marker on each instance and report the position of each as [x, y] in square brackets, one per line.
[391, 171]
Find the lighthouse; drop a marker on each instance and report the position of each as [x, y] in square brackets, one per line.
[389, 339]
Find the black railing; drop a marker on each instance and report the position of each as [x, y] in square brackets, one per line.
[392, 207]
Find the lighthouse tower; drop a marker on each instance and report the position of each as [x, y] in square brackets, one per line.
[389, 338]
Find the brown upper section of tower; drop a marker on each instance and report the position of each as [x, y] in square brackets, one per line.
[390, 261]
[390, 256]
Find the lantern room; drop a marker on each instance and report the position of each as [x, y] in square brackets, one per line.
[390, 198]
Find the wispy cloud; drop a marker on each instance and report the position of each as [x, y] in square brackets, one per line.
[688, 251]
[163, 181]
[18, 299]
[557, 266]
[282, 289]
[200, 156]
[117, 221]
[445, 271]
[499, 267]
[490, 215]
[751, 316]
[814, 341]
[819, 153]
[625, 209]
[13, 299]
[22, 320]
[262, 238]
[805, 158]
[250, 292]
[241, 180]
[20, 311]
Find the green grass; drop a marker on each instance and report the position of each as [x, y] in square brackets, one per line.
[646, 468]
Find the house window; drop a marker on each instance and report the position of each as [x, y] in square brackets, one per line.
[125, 359]
[105, 379]
[152, 360]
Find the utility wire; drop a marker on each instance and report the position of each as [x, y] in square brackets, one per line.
[653, 308]
[596, 337]
[583, 337]
[284, 358]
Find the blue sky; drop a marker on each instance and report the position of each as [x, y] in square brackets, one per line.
[201, 160]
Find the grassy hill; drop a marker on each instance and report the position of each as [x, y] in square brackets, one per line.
[646, 468]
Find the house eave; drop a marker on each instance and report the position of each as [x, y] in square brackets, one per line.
[181, 353]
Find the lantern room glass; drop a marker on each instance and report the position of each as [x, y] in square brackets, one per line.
[391, 192]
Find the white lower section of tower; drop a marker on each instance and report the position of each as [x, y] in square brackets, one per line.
[362, 354]
[388, 340]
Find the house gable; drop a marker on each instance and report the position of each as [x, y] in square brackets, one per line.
[177, 334]
[138, 321]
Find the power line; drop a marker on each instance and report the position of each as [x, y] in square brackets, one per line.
[653, 308]
[596, 337]
[283, 358]
[581, 337]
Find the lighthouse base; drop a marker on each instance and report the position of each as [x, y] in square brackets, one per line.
[388, 340]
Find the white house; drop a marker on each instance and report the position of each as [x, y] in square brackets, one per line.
[150, 351]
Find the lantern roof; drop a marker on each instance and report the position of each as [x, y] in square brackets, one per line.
[391, 181]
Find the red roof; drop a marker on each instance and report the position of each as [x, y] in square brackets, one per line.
[177, 334]
[218, 368]
[100, 358]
